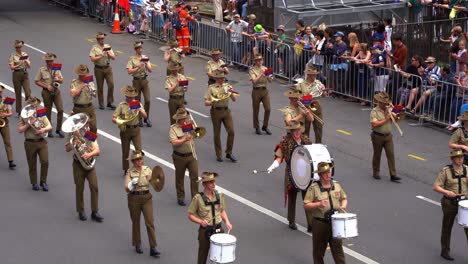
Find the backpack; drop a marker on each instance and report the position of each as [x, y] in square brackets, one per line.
[175, 21]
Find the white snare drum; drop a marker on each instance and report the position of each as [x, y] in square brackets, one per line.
[344, 225]
[304, 160]
[463, 213]
[223, 248]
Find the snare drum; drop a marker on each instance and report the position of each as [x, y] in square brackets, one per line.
[223, 248]
[344, 225]
[463, 213]
[304, 160]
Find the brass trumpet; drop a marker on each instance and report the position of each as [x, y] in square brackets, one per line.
[312, 110]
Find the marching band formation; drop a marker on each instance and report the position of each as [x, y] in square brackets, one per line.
[309, 165]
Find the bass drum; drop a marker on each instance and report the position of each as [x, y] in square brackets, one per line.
[304, 161]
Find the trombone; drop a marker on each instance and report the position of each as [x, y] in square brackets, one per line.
[198, 132]
[395, 117]
[311, 109]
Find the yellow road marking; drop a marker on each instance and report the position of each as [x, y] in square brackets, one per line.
[190, 78]
[416, 157]
[344, 132]
[154, 65]
[119, 51]
[90, 40]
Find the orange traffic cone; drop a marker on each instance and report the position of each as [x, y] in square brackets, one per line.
[116, 27]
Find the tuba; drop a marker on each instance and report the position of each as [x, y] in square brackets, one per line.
[75, 125]
[29, 114]
[131, 115]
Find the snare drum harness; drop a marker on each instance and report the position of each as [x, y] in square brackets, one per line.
[329, 213]
[452, 170]
[212, 204]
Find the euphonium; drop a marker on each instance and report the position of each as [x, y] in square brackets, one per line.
[56, 84]
[2, 122]
[79, 144]
[29, 114]
[92, 89]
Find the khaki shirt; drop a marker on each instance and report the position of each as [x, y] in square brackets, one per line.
[47, 76]
[30, 132]
[123, 111]
[198, 208]
[85, 96]
[314, 194]
[309, 88]
[459, 138]
[216, 90]
[97, 50]
[255, 72]
[291, 112]
[171, 79]
[212, 66]
[449, 183]
[175, 132]
[133, 62]
[378, 114]
[144, 178]
[4, 108]
[175, 57]
[15, 60]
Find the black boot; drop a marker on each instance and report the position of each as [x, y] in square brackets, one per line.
[44, 186]
[59, 133]
[97, 217]
[138, 249]
[148, 122]
[154, 252]
[11, 165]
[266, 130]
[82, 216]
[35, 187]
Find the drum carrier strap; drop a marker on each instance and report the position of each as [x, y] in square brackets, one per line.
[211, 203]
[452, 170]
[329, 213]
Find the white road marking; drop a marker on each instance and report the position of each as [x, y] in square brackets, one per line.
[234, 196]
[36, 49]
[191, 110]
[428, 200]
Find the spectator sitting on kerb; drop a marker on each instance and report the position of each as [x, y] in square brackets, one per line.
[413, 83]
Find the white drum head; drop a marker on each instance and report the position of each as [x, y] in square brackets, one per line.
[463, 204]
[223, 238]
[305, 160]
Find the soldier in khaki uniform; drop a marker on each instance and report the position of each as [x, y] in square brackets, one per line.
[293, 112]
[80, 174]
[5, 112]
[183, 155]
[260, 94]
[176, 92]
[312, 86]
[322, 199]
[83, 94]
[101, 54]
[221, 114]
[459, 139]
[131, 131]
[215, 64]
[283, 152]
[46, 78]
[381, 136]
[138, 69]
[36, 146]
[19, 64]
[208, 209]
[140, 200]
[174, 55]
[451, 182]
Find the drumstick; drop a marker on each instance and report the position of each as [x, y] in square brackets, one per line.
[259, 171]
[344, 210]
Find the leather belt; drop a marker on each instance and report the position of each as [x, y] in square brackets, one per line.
[83, 105]
[34, 139]
[132, 126]
[450, 198]
[19, 70]
[139, 78]
[182, 154]
[321, 220]
[380, 134]
[259, 88]
[176, 96]
[101, 66]
[210, 226]
[139, 192]
[220, 108]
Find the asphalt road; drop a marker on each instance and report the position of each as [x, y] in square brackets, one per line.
[394, 225]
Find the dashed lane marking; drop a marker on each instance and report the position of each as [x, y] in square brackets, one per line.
[191, 110]
[190, 78]
[344, 132]
[36, 49]
[428, 200]
[154, 65]
[90, 40]
[416, 157]
[119, 51]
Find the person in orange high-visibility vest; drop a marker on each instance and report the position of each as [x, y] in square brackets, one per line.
[183, 34]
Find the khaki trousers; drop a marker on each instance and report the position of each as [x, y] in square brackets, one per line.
[203, 245]
[79, 176]
[318, 128]
[450, 212]
[218, 117]
[138, 204]
[292, 197]
[181, 164]
[173, 105]
[380, 142]
[21, 80]
[142, 87]
[321, 237]
[33, 150]
[127, 136]
[101, 75]
[91, 112]
[5, 132]
[51, 98]
[260, 95]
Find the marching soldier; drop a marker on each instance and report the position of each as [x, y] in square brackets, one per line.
[215, 64]
[19, 64]
[221, 114]
[452, 183]
[5, 112]
[175, 89]
[34, 143]
[183, 154]
[293, 112]
[459, 138]
[208, 209]
[140, 200]
[49, 78]
[138, 66]
[129, 110]
[174, 55]
[322, 199]
[283, 152]
[381, 136]
[101, 54]
[82, 90]
[311, 86]
[80, 173]
[260, 94]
